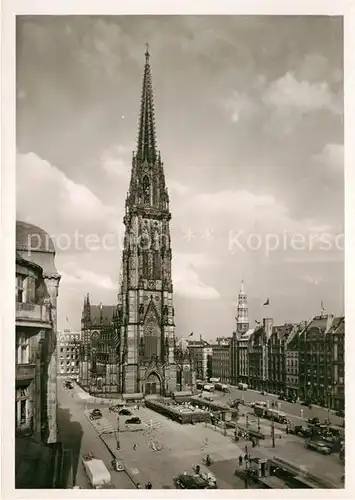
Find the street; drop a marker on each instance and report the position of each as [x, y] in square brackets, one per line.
[164, 448]
[293, 409]
[76, 432]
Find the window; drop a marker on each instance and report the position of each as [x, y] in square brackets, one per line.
[23, 408]
[22, 350]
[19, 288]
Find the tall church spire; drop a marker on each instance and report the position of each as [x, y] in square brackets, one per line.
[242, 311]
[146, 147]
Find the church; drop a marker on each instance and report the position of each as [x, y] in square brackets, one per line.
[149, 360]
[145, 358]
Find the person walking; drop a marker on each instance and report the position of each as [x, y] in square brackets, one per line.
[134, 447]
[240, 460]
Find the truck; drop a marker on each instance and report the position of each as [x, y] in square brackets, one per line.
[276, 415]
[242, 387]
[97, 472]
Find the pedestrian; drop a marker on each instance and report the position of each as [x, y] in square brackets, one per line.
[149, 486]
[138, 485]
[240, 460]
[246, 458]
[134, 447]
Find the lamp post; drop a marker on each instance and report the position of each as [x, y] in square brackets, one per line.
[273, 425]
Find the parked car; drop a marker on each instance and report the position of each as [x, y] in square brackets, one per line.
[340, 413]
[133, 420]
[313, 421]
[117, 465]
[116, 408]
[125, 412]
[95, 414]
[299, 430]
[320, 447]
[208, 398]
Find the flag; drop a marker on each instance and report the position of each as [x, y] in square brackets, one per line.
[191, 334]
[267, 302]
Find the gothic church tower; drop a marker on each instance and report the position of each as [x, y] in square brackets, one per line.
[242, 312]
[145, 301]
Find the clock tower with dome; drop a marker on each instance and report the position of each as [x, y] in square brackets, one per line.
[145, 312]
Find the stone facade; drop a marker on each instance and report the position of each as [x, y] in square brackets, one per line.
[68, 354]
[37, 282]
[201, 352]
[145, 313]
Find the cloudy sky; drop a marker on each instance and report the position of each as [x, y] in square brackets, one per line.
[249, 117]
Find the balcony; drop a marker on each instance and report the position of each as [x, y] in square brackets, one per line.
[33, 314]
[25, 372]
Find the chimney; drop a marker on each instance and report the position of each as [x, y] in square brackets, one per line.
[268, 324]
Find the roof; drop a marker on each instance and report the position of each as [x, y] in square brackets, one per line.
[317, 323]
[102, 315]
[337, 326]
[283, 331]
[34, 238]
[26, 263]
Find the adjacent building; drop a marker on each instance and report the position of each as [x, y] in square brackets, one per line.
[335, 351]
[37, 283]
[201, 354]
[221, 359]
[68, 354]
[98, 372]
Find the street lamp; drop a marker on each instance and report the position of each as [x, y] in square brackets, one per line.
[273, 424]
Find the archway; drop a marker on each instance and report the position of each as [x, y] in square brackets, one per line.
[152, 385]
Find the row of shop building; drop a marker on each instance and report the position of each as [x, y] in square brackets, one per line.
[304, 360]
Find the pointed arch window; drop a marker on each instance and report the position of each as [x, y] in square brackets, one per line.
[146, 190]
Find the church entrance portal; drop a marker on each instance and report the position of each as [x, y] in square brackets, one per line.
[152, 385]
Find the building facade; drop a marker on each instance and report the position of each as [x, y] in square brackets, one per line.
[201, 354]
[68, 354]
[321, 362]
[98, 371]
[146, 323]
[276, 383]
[221, 360]
[37, 282]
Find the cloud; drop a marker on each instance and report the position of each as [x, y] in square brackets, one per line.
[289, 93]
[46, 197]
[187, 282]
[178, 187]
[85, 277]
[241, 107]
[332, 154]
[116, 161]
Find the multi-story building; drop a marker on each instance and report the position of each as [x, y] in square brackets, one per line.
[258, 355]
[68, 354]
[98, 372]
[276, 382]
[201, 354]
[312, 360]
[37, 282]
[240, 357]
[291, 363]
[335, 349]
[221, 359]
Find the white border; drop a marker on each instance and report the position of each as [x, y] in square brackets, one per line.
[12, 7]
